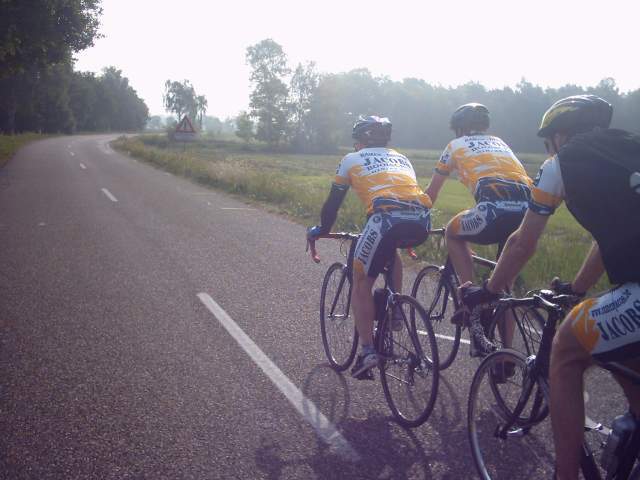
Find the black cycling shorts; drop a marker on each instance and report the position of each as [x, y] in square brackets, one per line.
[386, 231]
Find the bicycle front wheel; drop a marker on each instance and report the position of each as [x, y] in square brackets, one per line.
[518, 328]
[409, 365]
[525, 450]
[339, 336]
[436, 296]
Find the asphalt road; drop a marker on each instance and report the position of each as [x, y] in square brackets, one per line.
[152, 328]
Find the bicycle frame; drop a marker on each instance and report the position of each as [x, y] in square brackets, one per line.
[538, 374]
[348, 273]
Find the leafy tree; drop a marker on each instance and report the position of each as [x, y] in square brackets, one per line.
[244, 127]
[37, 34]
[303, 86]
[155, 123]
[180, 98]
[201, 108]
[118, 105]
[83, 98]
[268, 100]
[216, 126]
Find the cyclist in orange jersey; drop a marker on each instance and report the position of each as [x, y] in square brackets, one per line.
[497, 180]
[398, 216]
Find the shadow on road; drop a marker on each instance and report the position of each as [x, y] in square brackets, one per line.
[387, 450]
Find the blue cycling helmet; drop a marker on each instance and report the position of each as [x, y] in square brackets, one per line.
[372, 130]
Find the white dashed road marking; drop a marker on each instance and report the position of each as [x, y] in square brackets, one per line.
[447, 337]
[83, 166]
[72, 154]
[305, 407]
[109, 195]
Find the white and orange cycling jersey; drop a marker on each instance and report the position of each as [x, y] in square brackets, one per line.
[608, 326]
[382, 178]
[547, 192]
[480, 160]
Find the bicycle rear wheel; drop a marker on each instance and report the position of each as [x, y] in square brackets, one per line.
[409, 367]
[526, 451]
[435, 295]
[339, 336]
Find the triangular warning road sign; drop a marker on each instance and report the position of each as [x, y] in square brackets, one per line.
[185, 126]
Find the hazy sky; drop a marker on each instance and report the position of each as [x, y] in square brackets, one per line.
[549, 42]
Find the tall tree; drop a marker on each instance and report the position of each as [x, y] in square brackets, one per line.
[244, 127]
[268, 100]
[180, 98]
[304, 83]
[201, 108]
[39, 33]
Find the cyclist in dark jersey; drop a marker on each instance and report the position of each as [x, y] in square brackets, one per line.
[596, 171]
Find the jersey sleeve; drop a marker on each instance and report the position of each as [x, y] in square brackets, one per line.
[446, 163]
[547, 192]
[342, 177]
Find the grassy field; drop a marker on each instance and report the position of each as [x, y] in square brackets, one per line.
[297, 185]
[9, 144]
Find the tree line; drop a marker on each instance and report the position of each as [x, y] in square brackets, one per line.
[303, 110]
[40, 91]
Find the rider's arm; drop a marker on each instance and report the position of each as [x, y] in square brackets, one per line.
[446, 164]
[331, 205]
[519, 248]
[546, 195]
[434, 186]
[590, 272]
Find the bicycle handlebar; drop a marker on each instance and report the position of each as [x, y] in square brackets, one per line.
[311, 244]
[545, 299]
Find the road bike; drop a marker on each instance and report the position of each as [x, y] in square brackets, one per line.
[436, 288]
[507, 430]
[409, 354]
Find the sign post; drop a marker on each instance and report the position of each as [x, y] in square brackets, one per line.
[185, 133]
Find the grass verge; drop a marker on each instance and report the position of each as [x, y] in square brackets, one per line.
[9, 144]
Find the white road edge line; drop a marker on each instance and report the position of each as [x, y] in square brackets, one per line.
[109, 195]
[83, 166]
[305, 407]
[447, 337]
